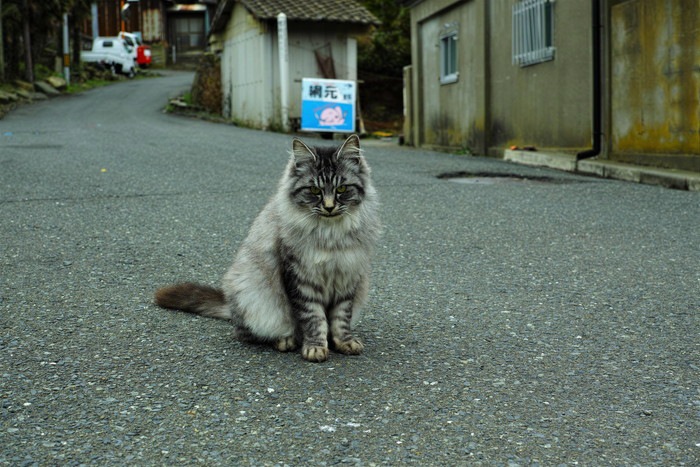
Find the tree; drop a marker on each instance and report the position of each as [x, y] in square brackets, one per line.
[388, 48]
[381, 58]
[28, 61]
[2, 49]
[31, 33]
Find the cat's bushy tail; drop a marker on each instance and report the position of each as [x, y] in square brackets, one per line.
[194, 298]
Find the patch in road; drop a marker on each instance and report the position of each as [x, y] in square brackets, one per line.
[492, 178]
[33, 146]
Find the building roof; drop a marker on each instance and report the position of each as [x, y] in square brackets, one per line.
[345, 11]
[338, 11]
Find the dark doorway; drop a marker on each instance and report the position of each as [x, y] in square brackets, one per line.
[187, 32]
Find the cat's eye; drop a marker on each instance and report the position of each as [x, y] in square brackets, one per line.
[341, 189]
[315, 190]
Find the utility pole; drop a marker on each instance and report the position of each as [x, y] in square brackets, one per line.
[95, 21]
[282, 51]
[66, 50]
[121, 11]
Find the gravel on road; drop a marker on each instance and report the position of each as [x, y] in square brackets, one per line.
[536, 318]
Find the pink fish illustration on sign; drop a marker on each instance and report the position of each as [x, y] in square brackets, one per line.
[331, 116]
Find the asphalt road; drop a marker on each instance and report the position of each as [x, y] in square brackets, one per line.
[548, 321]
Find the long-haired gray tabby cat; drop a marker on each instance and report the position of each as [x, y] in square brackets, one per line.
[302, 273]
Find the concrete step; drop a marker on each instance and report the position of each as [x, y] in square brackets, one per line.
[670, 178]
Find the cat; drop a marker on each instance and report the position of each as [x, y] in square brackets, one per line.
[301, 276]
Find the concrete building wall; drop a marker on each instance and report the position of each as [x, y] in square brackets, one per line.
[496, 104]
[548, 104]
[449, 115]
[655, 82]
[452, 113]
[650, 83]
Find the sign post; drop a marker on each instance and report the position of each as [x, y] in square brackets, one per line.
[328, 105]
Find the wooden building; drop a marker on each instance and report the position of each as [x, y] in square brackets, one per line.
[321, 37]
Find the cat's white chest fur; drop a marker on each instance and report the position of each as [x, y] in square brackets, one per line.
[337, 270]
[322, 258]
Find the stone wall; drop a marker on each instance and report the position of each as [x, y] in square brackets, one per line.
[206, 88]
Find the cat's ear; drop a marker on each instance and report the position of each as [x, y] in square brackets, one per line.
[351, 149]
[302, 153]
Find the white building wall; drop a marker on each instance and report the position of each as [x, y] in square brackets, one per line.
[302, 59]
[250, 65]
[245, 71]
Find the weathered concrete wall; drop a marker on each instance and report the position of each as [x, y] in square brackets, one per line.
[449, 115]
[650, 81]
[496, 104]
[655, 82]
[549, 104]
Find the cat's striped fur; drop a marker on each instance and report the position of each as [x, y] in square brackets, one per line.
[302, 274]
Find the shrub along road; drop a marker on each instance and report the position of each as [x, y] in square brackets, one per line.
[549, 320]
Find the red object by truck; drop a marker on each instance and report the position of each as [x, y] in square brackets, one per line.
[140, 51]
[143, 55]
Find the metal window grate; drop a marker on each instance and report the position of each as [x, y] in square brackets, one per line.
[532, 32]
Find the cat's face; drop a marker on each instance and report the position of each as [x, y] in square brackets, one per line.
[329, 182]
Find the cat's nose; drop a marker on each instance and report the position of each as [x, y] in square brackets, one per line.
[328, 203]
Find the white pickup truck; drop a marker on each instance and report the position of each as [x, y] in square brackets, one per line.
[113, 53]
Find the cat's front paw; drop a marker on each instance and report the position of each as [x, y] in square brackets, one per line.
[352, 346]
[314, 353]
[286, 344]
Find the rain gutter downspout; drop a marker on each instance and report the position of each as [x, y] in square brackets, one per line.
[597, 86]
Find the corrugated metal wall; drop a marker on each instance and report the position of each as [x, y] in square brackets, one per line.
[246, 71]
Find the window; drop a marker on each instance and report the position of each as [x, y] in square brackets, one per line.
[448, 58]
[532, 32]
